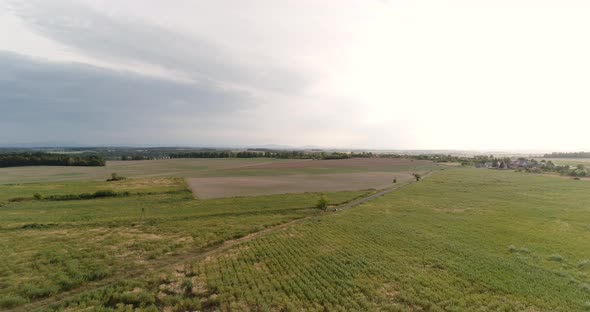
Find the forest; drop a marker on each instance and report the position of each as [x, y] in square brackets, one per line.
[49, 159]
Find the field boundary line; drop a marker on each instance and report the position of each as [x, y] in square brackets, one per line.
[198, 254]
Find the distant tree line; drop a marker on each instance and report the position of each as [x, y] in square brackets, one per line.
[269, 154]
[49, 159]
[135, 157]
[153, 153]
[568, 155]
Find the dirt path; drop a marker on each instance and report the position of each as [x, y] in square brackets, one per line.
[194, 255]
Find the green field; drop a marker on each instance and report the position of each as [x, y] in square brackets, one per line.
[570, 161]
[463, 240]
[460, 240]
[52, 246]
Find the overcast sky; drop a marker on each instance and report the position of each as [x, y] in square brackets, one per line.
[511, 75]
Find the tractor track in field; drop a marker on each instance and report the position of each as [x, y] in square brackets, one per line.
[196, 254]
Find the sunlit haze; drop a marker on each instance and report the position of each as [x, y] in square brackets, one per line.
[510, 75]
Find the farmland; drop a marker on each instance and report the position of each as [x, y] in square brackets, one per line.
[56, 241]
[54, 246]
[215, 187]
[189, 168]
[461, 239]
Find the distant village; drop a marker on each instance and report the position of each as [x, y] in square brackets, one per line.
[520, 163]
[534, 166]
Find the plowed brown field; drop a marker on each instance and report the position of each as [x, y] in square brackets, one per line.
[300, 176]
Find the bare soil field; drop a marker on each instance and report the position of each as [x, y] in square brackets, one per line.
[217, 187]
[300, 176]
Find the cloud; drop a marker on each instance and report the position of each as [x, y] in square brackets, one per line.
[381, 74]
[107, 37]
[49, 99]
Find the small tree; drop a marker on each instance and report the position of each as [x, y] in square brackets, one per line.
[417, 176]
[322, 203]
[394, 180]
[116, 177]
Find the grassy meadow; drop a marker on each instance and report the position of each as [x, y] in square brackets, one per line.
[461, 240]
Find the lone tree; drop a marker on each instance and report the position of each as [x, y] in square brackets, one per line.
[417, 176]
[116, 177]
[322, 203]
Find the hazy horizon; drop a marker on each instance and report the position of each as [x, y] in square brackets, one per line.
[374, 75]
[40, 146]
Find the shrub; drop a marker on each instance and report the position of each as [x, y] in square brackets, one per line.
[19, 199]
[97, 194]
[37, 225]
[116, 177]
[187, 286]
[37, 196]
[512, 248]
[104, 193]
[322, 203]
[417, 176]
[556, 258]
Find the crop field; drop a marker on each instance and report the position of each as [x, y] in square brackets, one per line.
[215, 187]
[53, 245]
[193, 168]
[460, 240]
[133, 169]
[299, 176]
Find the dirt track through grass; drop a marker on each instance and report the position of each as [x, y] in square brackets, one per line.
[196, 254]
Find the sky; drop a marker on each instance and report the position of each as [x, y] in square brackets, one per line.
[470, 75]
